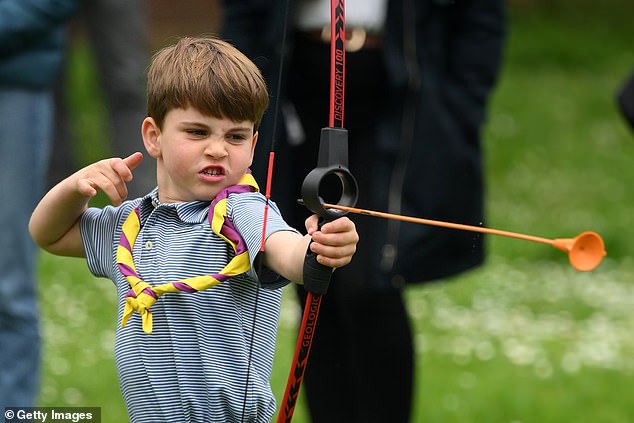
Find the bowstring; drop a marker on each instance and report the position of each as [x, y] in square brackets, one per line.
[269, 183]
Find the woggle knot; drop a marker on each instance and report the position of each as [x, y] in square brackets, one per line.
[140, 303]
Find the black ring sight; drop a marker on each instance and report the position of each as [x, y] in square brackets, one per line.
[331, 179]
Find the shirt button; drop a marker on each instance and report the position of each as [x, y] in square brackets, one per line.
[149, 245]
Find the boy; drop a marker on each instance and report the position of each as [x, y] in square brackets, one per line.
[205, 102]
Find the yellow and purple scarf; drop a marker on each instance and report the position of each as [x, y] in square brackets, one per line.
[142, 295]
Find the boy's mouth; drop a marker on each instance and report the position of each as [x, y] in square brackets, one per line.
[213, 171]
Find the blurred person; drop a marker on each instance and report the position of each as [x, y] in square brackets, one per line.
[117, 34]
[625, 100]
[419, 74]
[31, 47]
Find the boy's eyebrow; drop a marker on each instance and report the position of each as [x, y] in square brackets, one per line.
[246, 127]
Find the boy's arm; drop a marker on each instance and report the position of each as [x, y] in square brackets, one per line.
[54, 224]
[334, 244]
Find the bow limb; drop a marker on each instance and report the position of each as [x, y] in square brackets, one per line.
[300, 359]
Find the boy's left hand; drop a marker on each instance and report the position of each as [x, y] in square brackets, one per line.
[335, 242]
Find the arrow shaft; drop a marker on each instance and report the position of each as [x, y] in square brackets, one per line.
[439, 223]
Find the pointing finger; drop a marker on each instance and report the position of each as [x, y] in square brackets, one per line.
[133, 160]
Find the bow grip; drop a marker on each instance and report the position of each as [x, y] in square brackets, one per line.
[332, 180]
[316, 275]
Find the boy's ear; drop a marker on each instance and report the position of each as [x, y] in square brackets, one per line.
[151, 133]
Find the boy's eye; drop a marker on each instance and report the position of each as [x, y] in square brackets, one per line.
[236, 137]
[196, 132]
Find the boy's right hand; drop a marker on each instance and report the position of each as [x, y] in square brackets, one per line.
[54, 224]
[110, 176]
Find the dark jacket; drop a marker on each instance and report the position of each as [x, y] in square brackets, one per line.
[430, 162]
[32, 41]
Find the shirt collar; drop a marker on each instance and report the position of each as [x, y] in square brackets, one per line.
[189, 212]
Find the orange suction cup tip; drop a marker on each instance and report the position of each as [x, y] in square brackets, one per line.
[585, 251]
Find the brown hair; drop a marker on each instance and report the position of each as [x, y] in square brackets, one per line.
[210, 75]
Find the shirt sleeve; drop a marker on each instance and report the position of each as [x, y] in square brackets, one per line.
[246, 211]
[100, 231]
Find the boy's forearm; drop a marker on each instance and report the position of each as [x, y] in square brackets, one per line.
[334, 243]
[285, 252]
[54, 224]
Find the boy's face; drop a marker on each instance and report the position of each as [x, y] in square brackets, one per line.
[198, 155]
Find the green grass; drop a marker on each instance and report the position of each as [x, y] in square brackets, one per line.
[523, 339]
[527, 342]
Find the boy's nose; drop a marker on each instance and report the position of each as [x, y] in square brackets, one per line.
[216, 148]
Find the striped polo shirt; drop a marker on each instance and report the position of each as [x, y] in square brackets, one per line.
[193, 366]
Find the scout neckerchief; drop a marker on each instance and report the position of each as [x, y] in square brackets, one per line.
[142, 295]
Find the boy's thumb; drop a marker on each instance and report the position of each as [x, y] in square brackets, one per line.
[133, 160]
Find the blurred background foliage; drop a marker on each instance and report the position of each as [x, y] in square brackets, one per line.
[523, 339]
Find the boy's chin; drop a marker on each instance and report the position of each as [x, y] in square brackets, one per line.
[187, 197]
